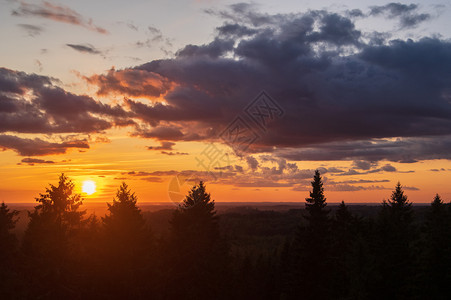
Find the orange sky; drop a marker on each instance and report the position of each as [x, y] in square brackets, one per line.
[142, 93]
[107, 164]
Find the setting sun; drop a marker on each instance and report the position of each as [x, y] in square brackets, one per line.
[89, 187]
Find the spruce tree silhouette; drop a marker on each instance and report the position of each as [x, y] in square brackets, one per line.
[316, 204]
[8, 253]
[197, 254]
[49, 240]
[342, 244]
[436, 257]
[126, 244]
[311, 247]
[124, 223]
[7, 223]
[394, 250]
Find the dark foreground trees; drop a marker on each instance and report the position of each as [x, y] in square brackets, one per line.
[50, 241]
[127, 248]
[396, 236]
[310, 273]
[333, 254]
[8, 219]
[197, 255]
[436, 252]
[8, 251]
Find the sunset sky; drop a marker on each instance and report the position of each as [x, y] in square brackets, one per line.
[249, 97]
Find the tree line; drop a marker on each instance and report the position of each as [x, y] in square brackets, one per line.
[66, 254]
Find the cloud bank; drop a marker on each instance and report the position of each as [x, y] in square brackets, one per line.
[347, 94]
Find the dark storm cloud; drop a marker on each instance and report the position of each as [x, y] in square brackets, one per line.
[30, 103]
[33, 104]
[344, 97]
[407, 14]
[162, 133]
[406, 150]
[39, 147]
[215, 49]
[131, 82]
[337, 30]
[84, 48]
[58, 13]
[235, 30]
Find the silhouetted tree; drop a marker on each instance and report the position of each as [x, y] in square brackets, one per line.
[124, 224]
[197, 253]
[127, 244]
[342, 241]
[8, 253]
[312, 248]
[7, 223]
[395, 247]
[90, 271]
[286, 262]
[50, 240]
[436, 256]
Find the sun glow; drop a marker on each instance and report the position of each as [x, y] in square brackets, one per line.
[89, 187]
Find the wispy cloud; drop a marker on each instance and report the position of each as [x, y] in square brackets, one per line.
[164, 145]
[86, 48]
[32, 161]
[174, 153]
[32, 30]
[58, 13]
[407, 13]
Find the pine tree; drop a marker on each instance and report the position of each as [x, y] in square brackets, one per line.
[396, 236]
[127, 244]
[342, 242]
[8, 253]
[125, 223]
[436, 258]
[50, 239]
[312, 248]
[196, 215]
[399, 207]
[197, 253]
[316, 204]
[7, 223]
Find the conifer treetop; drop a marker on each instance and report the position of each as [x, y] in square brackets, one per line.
[398, 199]
[317, 199]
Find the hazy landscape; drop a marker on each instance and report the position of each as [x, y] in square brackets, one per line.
[225, 150]
[243, 250]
